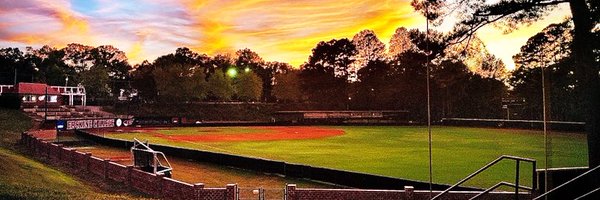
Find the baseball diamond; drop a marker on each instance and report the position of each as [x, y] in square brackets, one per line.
[396, 151]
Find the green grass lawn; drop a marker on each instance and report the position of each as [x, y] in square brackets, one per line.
[402, 151]
[24, 178]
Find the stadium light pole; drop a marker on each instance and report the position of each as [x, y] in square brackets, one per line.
[46, 105]
[544, 117]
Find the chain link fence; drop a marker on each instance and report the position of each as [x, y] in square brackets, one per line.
[259, 193]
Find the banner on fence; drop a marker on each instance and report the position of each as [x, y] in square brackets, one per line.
[92, 123]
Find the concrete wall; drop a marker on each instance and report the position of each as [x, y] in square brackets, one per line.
[148, 183]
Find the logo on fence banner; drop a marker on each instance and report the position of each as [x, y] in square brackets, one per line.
[60, 125]
[90, 123]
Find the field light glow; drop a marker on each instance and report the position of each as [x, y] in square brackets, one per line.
[232, 72]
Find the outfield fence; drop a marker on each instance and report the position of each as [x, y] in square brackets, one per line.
[524, 124]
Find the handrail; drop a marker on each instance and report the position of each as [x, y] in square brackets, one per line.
[503, 183]
[586, 194]
[516, 158]
[566, 183]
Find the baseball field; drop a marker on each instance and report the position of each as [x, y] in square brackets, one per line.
[396, 151]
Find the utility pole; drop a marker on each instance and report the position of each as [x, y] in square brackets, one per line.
[46, 105]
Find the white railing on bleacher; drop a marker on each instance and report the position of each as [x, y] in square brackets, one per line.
[5, 88]
[73, 90]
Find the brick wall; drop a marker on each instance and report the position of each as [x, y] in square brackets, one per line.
[174, 189]
[54, 153]
[117, 172]
[294, 193]
[148, 183]
[81, 160]
[145, 182]
[179, 190]
[96, 166]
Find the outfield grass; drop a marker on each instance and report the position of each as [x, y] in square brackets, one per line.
[402, 151]
[24, 178]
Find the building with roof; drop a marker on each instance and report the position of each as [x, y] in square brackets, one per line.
[31, 95]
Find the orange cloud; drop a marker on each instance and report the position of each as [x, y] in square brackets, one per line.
[288, 30]
[71, 27]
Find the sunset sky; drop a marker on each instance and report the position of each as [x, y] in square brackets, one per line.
[283, 30]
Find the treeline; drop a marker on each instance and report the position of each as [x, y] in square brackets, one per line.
[358, 73]
[550, 50]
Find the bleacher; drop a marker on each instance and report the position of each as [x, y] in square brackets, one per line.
[62, 112]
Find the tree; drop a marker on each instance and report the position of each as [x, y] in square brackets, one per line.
[142, 79]
[484, 97]
[221, 61]
[509, 14]
[478, 59]
[332, 58]
[324, 77]
[113, 59]
[250, 60]
[548, 49]
[248, 86]
[376, 87]
[78, 56]
[368, 48]
[11, 65]
[178, 82]
[287, 86]
[52, 67]
[96, 82]
[219, 87]
[400, 42]
[492, 67]
[409, 72]
[200, 61]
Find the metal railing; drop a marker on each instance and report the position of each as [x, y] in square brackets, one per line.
[260, 193]
[503, 183]
[490, 164]
[568, 182]
[5, 87]
[588, 195]
[66, 90]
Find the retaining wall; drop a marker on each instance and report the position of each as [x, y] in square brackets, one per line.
[148, 183]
